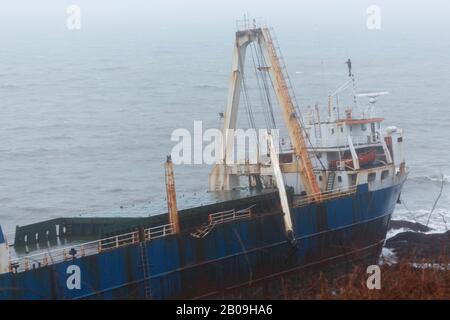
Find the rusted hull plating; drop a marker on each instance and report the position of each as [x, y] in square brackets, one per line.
[232, 254]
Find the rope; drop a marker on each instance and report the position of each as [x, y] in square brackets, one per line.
[260, 90]
[248, 107]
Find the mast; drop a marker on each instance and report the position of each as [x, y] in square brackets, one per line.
[171, 196]
[222, 176]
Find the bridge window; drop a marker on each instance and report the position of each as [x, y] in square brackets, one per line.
[384, 174]
[332, 131]
[371, 177]
[320, 178]
[339, 179]
[342, 129]
[363, 127]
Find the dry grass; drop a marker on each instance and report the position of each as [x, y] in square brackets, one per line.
[398, 282]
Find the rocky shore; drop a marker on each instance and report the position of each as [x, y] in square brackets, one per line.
[415, 244]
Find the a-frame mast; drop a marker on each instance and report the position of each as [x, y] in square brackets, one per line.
[220, 179]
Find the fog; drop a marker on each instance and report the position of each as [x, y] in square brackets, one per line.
[114, 15]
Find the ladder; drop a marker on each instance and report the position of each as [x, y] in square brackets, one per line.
[288, 84]
[203, 231]
[318, 133]
[145, 270]
[292, 118]
[330, 181]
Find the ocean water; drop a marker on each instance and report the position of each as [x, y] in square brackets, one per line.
[86, 116]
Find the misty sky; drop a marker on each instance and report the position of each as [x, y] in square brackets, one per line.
[116, 14]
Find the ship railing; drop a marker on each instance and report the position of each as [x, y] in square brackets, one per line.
[75, 251]
[225, 216]
[342, 141]
[118, 241]
[362, 140]
[249, 24]
[49, 257]
[299, 201]
[158, 232]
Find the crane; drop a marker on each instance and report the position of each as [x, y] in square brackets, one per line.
[220, 177]
[292, 123]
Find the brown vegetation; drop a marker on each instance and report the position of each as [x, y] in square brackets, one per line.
[402, 281]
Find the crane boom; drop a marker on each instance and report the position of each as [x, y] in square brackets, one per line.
[292, 123]
[222, 176]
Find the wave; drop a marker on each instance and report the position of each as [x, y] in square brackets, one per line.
[5, 200]
[116, 190]
[439, 221]
[388, 257]
[209, 86]
[393, 232]
[432, 178]
[109, 68]
[8, 86]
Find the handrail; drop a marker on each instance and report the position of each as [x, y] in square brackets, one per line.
[304, 200]
[118, 241]
[43, 259]
[159, 231]
[75, 251]
[225, 216]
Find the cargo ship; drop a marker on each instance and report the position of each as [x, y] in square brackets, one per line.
[324, 200]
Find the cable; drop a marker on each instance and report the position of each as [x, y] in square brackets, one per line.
[297, 108]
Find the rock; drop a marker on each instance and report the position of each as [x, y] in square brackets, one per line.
[414, 226]
[416, 246]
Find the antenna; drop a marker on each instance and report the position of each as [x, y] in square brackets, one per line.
[373, 95]
[349, 65]
[372, 98]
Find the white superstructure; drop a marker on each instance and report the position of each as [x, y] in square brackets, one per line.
[338, 150]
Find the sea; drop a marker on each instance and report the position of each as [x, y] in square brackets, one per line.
[86, 116]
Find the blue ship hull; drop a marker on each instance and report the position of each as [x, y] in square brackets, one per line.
[343, 231]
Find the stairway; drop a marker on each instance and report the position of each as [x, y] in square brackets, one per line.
[202, 231]
[145, 270]
[330, 181]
